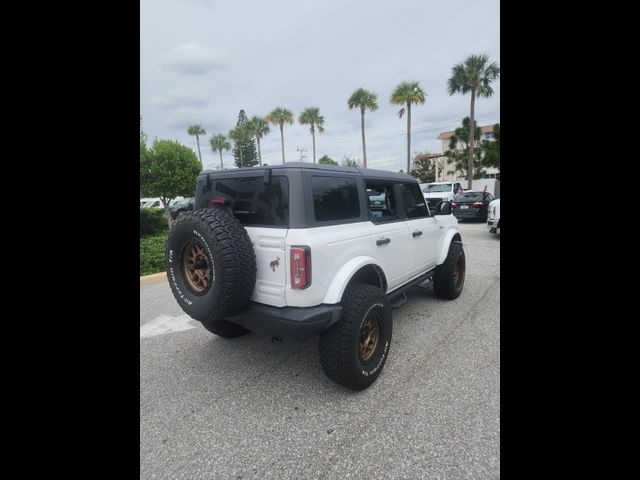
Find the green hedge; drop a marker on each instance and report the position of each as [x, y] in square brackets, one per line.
[152, 254]
[152, 222]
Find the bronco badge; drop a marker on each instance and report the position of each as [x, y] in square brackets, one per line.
[275, 263]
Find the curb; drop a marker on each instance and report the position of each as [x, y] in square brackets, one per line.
[154, 278]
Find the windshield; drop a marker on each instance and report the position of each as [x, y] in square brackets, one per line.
[439, 187]
[469, 197]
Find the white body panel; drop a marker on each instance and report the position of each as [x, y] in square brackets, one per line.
[338, 252]
[493, 218]
[331, 248]
[271, 264]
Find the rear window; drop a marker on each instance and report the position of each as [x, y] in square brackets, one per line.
[334, 198]
[255, 203]
[469, 197]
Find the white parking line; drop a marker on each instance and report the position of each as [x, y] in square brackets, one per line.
[166, 324]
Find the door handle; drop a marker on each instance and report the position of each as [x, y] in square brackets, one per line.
[417, 233]
[383, 241]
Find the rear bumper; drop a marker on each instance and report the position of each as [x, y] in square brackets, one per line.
[288, 322]
[468, 213]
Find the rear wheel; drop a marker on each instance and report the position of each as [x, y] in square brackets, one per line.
[354, 351]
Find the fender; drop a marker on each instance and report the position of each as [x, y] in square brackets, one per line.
[446, 241]
[344, 275]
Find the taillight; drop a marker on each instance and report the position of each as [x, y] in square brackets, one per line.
[217, 201]
[300, 267]
[477, 205]
[454, 204]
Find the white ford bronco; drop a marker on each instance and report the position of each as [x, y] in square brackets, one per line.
[301, 249]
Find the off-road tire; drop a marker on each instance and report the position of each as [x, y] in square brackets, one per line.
[227, 257]
[340, 346]
[446, 282]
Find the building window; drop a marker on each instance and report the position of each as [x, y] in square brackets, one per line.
[488, 136]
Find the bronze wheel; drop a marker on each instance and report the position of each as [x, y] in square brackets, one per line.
[370, 334]
[456, 273]
[197, 267]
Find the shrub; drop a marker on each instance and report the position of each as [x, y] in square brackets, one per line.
[152, 222]
[152, 254]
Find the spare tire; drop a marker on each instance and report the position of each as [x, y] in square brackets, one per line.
[211, 267]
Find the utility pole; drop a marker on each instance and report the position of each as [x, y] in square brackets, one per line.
[302, 152]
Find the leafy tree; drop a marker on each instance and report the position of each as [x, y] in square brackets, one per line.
[311, 116]
[244, 150]
[424, 168]
[491, 150]
[350, 162]
[474, 75]
[458, 152]
[408, 93]
[219, 143]
[364, 100]
[167, 170]
[326, 160]
[197, 130]
[279, 116]
[259, 128]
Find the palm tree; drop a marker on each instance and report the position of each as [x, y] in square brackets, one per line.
[219, 143]
[240, 134]
[474, 75]
[364, 99]
[408, 93]
[279, 116]
[197, 130]
[311, 116]
[259, 127]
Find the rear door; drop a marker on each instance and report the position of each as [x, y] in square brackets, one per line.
[391, 241]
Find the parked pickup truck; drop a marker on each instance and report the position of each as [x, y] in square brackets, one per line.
[436, 192]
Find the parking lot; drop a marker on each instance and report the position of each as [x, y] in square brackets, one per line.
[249, 408]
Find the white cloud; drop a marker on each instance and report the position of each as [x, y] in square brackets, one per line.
[195, 59]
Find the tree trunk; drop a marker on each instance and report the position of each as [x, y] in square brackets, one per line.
[313, 137]
[199, 154]
[259, 154]
[221, 166]
[240, 148]
[408, 137]
[165, 204]
[472, 132]
[364, 148]
[282, 141]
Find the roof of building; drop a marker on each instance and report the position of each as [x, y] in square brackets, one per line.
[447, 135]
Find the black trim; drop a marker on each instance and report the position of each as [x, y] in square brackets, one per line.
[288, 322]
[412, 283]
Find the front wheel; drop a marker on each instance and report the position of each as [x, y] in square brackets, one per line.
[354, 351]
[448, 279]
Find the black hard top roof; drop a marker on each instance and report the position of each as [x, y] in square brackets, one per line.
[367, 173]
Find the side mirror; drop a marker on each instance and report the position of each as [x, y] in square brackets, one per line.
[443, 208]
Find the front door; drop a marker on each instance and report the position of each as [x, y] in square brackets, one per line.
[423, 229]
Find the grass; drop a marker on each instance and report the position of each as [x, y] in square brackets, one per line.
[152, 254]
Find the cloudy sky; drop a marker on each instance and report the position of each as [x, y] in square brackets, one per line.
[201, 61]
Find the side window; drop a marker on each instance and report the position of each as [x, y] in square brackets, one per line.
[413, 201]
[382, 202]
[334, 198]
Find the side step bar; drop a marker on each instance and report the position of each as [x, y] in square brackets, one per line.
[398, 296]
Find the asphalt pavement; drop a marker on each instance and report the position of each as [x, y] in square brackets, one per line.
[249, 408]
